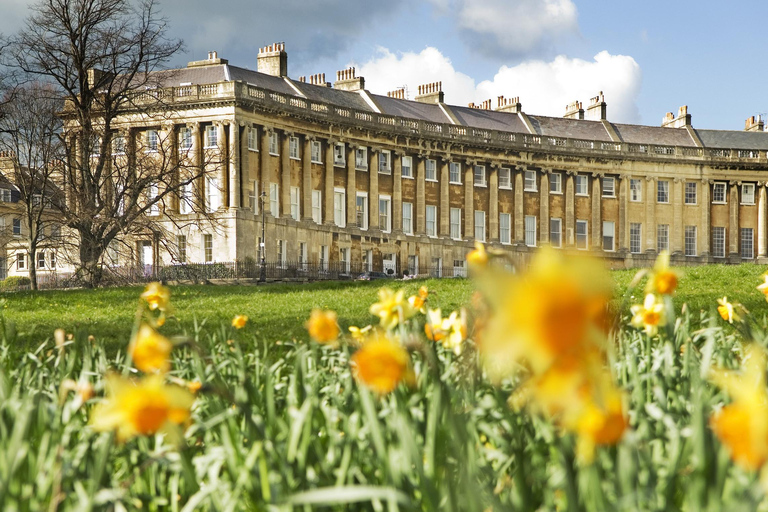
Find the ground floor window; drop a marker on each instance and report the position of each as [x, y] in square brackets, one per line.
[690, 240]
[718, 242]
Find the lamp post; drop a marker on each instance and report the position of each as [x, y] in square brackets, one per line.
[262, 249]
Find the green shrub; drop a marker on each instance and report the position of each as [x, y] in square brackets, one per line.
[14, 283]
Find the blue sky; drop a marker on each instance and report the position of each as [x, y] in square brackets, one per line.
[649, 57]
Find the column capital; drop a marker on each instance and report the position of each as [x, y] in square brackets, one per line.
[677, 179]
[495, 165]
[400, 152]
[598, 175]
[546, 170]
[734, 182]
[649, 178]
[570, 172]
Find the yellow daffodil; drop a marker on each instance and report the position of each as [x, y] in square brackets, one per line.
[455, 327]
[359, 334]
[742, 426]
[418, 301]
[764, 287]
[157, 296]
[83, 390]
[322, 326]
[433, 328]
[150, 351]
[144, 407]
[601, 423]
[649, 315]
[662, 280]
[392, 308]
[381, 364]
[239, 321]
[478, 257]
[725, 309]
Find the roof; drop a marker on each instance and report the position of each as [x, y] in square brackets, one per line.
[466, 116]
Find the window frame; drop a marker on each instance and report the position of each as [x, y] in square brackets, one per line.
[556, 177]
[452, 224]
[454, 166]
[722, 242]
[744, 187]
[604, 190]
[409, 159]
[274, 143]
[361, 158]
[387, 228]
[530, 183]
[293, 148]
[507, 229]
[253, 139]
[687, 195]
[361, 195]
[585, 223]
[482, 182]
[342, 210]
[742, 233]
[635, 238]
[715, 187]
[408, 231]
[316, 152]
[606, 236]
[660, 190]
[317, 206]
[339, 154]
[153, 141]
[430, 163]
[581, 179]
[480, 226]
[385, 161]
[532, 230]
[432, 233]
[274, 199]
[559, 231]
[635, 193]
[295, 203]
[686, 231]
[662, 229]
[508, 186]
[207, 248]
[211, 129]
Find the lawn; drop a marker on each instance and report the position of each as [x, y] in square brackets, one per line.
[276, 311]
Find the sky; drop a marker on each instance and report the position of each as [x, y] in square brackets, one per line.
[648, 57]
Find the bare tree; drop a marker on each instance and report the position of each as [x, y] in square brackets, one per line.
[103, 55]
[31, 144]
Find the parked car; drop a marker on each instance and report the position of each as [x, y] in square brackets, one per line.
[372, 276]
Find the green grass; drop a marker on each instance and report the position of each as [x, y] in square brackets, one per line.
[276, 311]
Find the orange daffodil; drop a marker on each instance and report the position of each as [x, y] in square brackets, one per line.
[418, 301]
[742, 426]
[322, 326]
[649, 316]
[551, 321]
[239, 321]
[381, 363]
[451, 331]
[725, 309]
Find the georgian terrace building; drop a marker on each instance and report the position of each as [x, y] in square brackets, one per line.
[354, 178]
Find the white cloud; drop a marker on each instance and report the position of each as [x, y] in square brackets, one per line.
[544, 88]
[511, 27]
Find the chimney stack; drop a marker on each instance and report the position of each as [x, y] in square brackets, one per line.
[682, 120]
[574, 111]
[212, 60]
[347, 80]
[596, 111]
[431, 93]
[318, 79]
[272, 60]
[511, 105]
[754, 124]
[398, 94]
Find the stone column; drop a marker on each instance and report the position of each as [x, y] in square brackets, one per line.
[570, 211]
[676, 195]
[519, 210]
[245, 166]
[706, 229]
[199, 164]
[760, 219]
[421, 223]
[351, 186]
[544, 206]
[373, 189]
[733, 222]
[235, 189]
[265, 174]
[493, 207]
[650, 214]
[172, 144]
[597, 217]
[329, 181]
[223, 158]
[306, 180]
[285, 175]
[469, 201]
[623, 225]
[397, 193]
[445, 203]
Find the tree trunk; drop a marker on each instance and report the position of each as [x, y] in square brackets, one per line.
[91, 251]
[32, 268]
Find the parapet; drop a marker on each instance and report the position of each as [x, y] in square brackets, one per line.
[273, 60]
[431, 93]
[347, 80]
